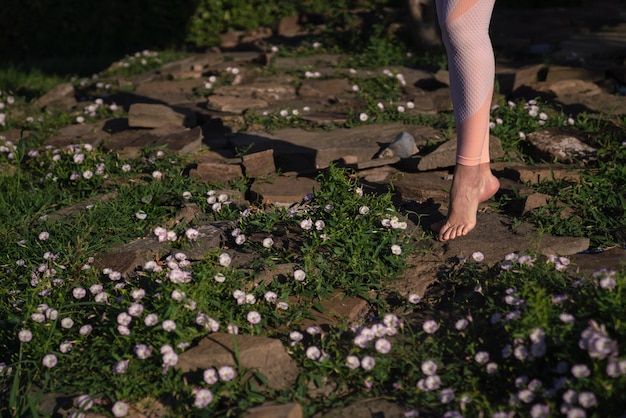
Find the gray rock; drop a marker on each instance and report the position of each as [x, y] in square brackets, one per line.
[553, 144]
[608, 42]
[380, 175]
[403, 147]
[608, 104]
[583, 95]
[422, 271]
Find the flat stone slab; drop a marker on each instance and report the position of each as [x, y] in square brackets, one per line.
[610, 259]
[265, 355]
[144, 115]
[62, 96]
[369, 408]
[299, 149]
[311, 62]
[168, 91]
[325, 89]
[423, 186]
[282, 190]
[535, 174]
[495, 238]
[126, 258]
[234, 104]
[80, 207]
[275, 410]
[553, 144]
[336, 309]
[210, 237]
[270, 92]
[422, 271]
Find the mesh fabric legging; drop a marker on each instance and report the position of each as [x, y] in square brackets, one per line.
[465, 31]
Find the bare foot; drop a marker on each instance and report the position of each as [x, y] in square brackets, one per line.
[471, 186]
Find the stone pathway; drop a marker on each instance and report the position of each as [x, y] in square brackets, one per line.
[165, 108]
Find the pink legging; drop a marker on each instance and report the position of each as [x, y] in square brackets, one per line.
[465, 31]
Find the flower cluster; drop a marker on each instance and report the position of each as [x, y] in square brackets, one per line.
[513, 260]
[45, 276]
[169, 357]
[217, 201]
[165, 235]
[595, 340]
[560, 263]
[7, 148]
[97, 108]
[393, 222]
[210, 82]
[78, 156]
[178, 268]
[142, 58]
[431, 381]
[5, 100]
[605, 278]
[388, 327]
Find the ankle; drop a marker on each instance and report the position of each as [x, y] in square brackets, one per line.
[468, 174]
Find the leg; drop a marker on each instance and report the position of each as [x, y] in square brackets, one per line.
[424, 23]
[465, 31]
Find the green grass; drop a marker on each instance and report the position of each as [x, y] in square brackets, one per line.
[512, 331]
[516, 337]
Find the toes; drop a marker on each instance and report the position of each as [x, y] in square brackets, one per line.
[449, 232]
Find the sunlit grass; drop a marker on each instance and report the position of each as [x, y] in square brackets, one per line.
[525, 337]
